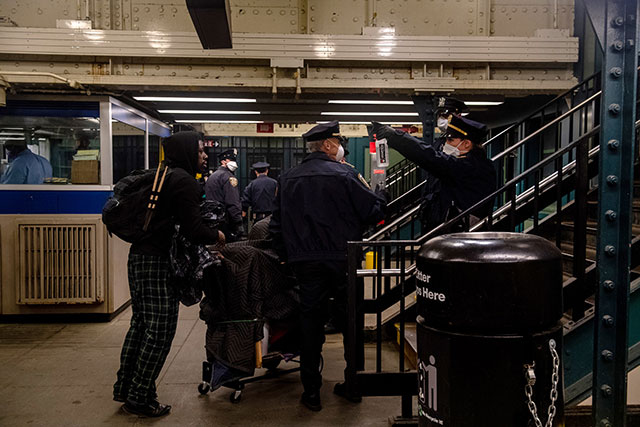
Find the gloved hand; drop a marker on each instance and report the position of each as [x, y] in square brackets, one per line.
[382, 192]
[382, 131]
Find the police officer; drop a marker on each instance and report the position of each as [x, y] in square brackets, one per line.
[431, 209]
[260, 193]
[465, 174]
[320, 205]
[222, 186]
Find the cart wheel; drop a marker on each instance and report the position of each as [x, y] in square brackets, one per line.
[204, 387]
[235, 396]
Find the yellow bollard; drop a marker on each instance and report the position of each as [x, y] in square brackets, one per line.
[369, 260]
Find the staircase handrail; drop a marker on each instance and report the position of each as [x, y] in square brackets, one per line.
[541, 109]
[543, 128]
[408, 214]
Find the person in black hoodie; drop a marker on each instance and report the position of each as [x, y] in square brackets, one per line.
[154, 302]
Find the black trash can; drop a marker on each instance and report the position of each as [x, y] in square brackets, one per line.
[489, 309]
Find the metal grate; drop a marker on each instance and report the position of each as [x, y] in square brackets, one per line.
[58, 265]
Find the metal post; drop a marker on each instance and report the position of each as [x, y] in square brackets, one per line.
[614, 215]
[350, 342]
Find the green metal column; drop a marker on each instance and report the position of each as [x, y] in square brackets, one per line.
[615, 210]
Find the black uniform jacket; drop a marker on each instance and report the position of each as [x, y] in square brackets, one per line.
[320, 206]
[179, 200]
[220, 187]
[463, 181]
[259, 194]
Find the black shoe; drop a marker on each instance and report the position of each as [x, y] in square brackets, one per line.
[119, 398]
[311, 401]
[330, 329]
[152, 409]
[341, 390]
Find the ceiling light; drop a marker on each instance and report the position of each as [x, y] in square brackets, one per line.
[190, 99]
[368, 102]
[487, 103]
[219, 121]
[207, 112]
[368, 123]
[364, 113]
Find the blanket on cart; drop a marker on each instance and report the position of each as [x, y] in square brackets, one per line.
[249, 288]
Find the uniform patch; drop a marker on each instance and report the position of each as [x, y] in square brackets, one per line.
[234, 181]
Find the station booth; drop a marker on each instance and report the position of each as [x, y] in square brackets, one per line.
[57, 256]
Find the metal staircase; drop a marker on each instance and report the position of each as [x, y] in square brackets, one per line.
[547, 165]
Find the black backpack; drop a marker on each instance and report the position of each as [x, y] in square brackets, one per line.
[128, 213]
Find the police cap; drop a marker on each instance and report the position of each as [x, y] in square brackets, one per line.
[229, 154]
[322, 131]
[460, 127]
[260, 166]
[451, 105]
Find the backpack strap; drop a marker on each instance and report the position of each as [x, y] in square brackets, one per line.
[153, 197]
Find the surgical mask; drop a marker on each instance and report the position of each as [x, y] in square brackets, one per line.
[340, 154]
[451, 150]
[232, 165]
[443, 123]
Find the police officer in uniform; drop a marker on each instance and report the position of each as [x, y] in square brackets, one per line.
[320, 205]
[464, 173]
[222, 186]
[431, 209]
[260, 193]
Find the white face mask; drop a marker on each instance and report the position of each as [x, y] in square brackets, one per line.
[442, 122]
[451, 150]
[232, 165]
[340, 154]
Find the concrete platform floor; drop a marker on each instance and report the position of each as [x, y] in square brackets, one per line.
[62, 375]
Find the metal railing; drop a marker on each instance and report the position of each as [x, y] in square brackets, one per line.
[538, 199]
[512, 150]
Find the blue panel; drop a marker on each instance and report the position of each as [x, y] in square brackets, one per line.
[52, 202]
[51, 109]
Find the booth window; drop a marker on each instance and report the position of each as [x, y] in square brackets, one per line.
[63, 139]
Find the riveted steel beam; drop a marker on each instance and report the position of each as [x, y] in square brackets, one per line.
[619, 79]
[111, 43]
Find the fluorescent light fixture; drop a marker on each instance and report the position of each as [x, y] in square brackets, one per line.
[219, 121]
[365, 113]
[464, 114]
[368, 102]
[207, 112]
[487, 103]
[368, 123]
[11, 134]
[12, 138]
[190, 99]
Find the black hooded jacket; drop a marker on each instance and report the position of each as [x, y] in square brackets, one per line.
[179, 201]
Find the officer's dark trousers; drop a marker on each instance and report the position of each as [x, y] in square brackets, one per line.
[318, 281]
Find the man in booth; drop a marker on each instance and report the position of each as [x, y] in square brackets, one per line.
[25, 167]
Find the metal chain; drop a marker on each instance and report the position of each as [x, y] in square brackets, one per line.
[553, 395]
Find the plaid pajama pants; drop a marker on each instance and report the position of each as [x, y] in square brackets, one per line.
[153, 326]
